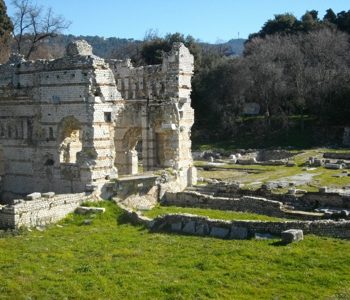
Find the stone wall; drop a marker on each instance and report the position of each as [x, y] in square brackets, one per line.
[337, 155]
[72, 122]
[245, 203]
[158, 113]
[53, 130]
[301, 201]
[203, 226]
[40, 211]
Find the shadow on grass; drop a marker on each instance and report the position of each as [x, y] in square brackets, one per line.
[278, 244]
[124, 218]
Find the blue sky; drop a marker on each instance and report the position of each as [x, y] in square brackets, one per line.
[207, 20]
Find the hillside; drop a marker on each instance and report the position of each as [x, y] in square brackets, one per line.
[123, 48]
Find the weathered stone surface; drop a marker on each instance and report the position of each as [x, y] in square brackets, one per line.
[263, 236]
[176, 227]
[238, 233]
[33, 196]
[80, 120]
[249, 161]
[333, 166]
[80, 47]
[48, 195]
[202, 229]
[323, 189]
[39, 211]
[292, 235]
[219, 232]
[83, 210]
[189, 227]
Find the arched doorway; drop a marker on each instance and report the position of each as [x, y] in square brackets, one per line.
[70, 140]
[129, 152]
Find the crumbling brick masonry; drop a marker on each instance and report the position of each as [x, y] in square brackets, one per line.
[78, 121]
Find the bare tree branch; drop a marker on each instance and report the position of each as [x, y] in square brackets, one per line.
[33, 24]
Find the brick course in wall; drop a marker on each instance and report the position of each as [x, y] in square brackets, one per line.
[41, 211]
[75, 121]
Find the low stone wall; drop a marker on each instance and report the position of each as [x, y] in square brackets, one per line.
[203, 226]
[337, 155]
[318, 199]
[304, 201]
[245, 203]
[41, 211]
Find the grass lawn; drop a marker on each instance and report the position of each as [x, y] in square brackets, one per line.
[111, 259]
[211, 213]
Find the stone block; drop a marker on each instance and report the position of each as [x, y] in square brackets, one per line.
[292, 235]
[33, 196]
[263, 236]
[90, 187]
[333, 166]
[219, 232]
[291, 164]
[238, 233]
[202, 229]
[249, 161]
[318, 162]
[83, 210]
[176, 226]
[48, 195]
[189, 227]
[323, 189]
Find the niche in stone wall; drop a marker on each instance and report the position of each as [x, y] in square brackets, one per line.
[70, 137]
[129, 152]
[160, 150]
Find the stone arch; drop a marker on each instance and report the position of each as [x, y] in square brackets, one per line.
[127, 156]
[70, 140]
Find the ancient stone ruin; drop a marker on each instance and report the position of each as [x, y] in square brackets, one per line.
[71, 124]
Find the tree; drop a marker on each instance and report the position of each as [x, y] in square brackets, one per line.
[34, 24]
[6, 28]
[309, 21]
[343, 21]
[154, 46]
[330, 16]
[282, 23]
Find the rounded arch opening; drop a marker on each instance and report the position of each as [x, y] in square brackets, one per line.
[70, 140]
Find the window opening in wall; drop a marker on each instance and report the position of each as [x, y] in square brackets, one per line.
[69, 147]
[138, 149]
[51, 133]
[160, 151]
[70, 136]
[29, 130]
[108, 117]
[9, 131]
[49, 162]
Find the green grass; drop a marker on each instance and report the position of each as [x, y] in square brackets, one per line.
[111, 259]
[211, 213]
